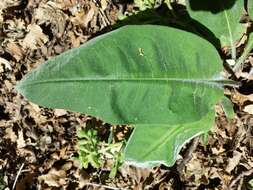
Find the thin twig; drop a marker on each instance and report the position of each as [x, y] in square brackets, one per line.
[102, 14]
[104, 186]
[239, 187]
[243, 174]
[18, 174]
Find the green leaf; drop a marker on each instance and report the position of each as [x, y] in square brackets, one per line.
[250, 9]
[162, 145]
[228, 107]
[245, 54]
[221, 17]
[146, 75]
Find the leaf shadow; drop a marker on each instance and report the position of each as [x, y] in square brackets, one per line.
[176, 18]
[214, 6]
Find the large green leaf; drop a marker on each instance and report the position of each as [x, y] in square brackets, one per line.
[162, 80]
[250, 9]
[221, 17]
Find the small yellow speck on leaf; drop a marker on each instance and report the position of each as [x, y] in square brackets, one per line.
[141, 52]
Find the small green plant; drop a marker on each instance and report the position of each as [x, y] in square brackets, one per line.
[88, 148]
[94, 152]
[161, 80]
[2, 184]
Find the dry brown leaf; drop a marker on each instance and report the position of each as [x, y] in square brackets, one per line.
[60, 112]
[1, 16]
[218, 150]
[44, 141]
[138, 174]
[10, 134]
[28, 154]
[9, 3]
[238, 97]
[56, 178]
[88, 17]
[6, 64]
[50, 13]
[104, 4]
[15, 50]
[75, 41]
[234, 161]
[15, 28]
[35, 107]
[195, 167]
[83, 178]
[249, 109]
[247, 75]
[35, 37]
[8, 85]
[83, 19]
[20, 140]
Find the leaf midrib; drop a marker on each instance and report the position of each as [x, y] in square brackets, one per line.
[231, 38]
[183, 80]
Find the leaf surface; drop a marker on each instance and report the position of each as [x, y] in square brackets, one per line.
[164, 142]
[156, 78]
[221, 17]
[250, 9]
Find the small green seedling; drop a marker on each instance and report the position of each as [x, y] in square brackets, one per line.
[88, 148]
[95, 152]
[161, 80]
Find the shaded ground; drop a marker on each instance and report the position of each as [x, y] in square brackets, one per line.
[37, 145]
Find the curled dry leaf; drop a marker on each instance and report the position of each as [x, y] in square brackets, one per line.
[35, 37]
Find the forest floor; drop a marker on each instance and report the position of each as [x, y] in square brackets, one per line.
[37, 145]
